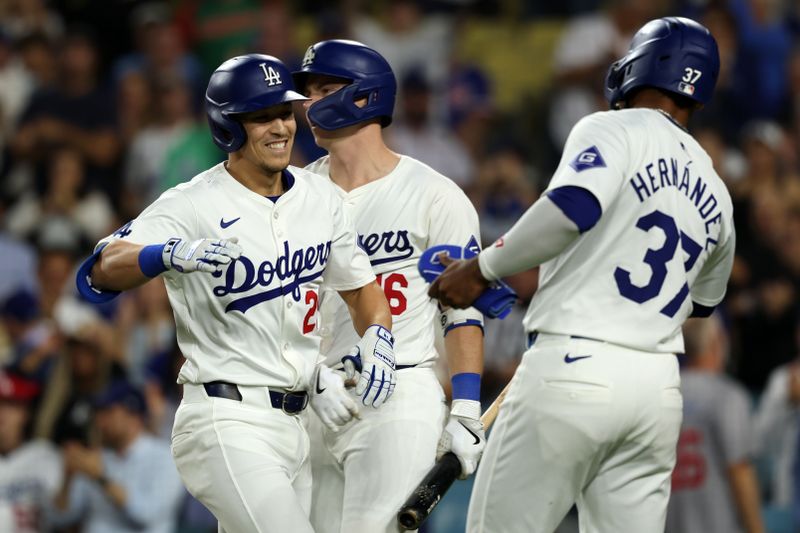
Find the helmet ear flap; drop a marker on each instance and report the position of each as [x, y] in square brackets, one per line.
[228, 133]
[614, 78]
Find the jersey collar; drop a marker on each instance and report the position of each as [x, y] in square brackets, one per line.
[287, 180]
[671, 119]
[290, 184]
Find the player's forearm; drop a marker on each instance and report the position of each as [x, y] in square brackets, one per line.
[368, 306]
[117, 268]
[542, 233]
[745, 492]
[464, 347]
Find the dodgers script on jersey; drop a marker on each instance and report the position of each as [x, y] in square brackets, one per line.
[269, 297]
[397, 218]
[663, 241]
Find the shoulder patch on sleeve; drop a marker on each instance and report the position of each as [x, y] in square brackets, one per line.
[124, 231]
[589, 158]
[472, 248]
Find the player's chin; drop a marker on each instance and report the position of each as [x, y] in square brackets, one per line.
[275, 162]
[273, 165]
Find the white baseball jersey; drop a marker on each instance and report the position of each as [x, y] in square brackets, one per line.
[256, 323]
[30, 477]
[397, 218]
[665, 238]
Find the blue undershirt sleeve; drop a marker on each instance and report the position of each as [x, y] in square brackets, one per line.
[578, 204]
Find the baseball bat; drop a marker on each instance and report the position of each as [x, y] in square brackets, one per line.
[438, 480]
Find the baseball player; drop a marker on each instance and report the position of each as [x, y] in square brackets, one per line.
[633, 235]
[714, 484]
[245, 249]
[400, 207]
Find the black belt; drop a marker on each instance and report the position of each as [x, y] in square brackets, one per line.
[531, 338]
[288, 402]
[533, 335]
[396, 367]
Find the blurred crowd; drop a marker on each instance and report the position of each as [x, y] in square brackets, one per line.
[101, 110]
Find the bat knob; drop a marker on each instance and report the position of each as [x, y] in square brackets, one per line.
[409, 519]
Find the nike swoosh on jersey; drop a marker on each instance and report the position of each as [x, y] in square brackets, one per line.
[568, 359]
[319, 390]
[477, 438]
[223, 224]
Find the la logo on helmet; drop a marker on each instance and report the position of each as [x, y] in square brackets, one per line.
[271, 76]
[309, 57]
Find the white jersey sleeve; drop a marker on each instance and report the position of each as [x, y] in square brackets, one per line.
[346, 256]
[171, 215]
[594, 158]
[710, 285]
[454, 220]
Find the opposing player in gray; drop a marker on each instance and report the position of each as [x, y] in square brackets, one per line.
[714, 485]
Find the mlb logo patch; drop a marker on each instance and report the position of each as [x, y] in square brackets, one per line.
[686, 88]
[589, 158]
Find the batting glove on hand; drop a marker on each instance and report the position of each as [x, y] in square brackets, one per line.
[329, 399]
[373, 357]
[205, 255]
[464, 436]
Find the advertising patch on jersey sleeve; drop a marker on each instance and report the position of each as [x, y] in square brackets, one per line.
[589, 158]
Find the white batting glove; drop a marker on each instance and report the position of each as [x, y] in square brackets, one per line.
[373, 357]
[464, 435]
[330, 400]
[205, 255]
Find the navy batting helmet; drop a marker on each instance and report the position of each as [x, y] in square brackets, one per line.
[671, 53]
[370, 75]
[241, 85]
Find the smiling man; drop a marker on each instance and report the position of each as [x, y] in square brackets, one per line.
[265, 239]
[400, 207]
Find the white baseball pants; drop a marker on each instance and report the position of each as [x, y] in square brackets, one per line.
[247, 462]
[598, 431]
[364, 473]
